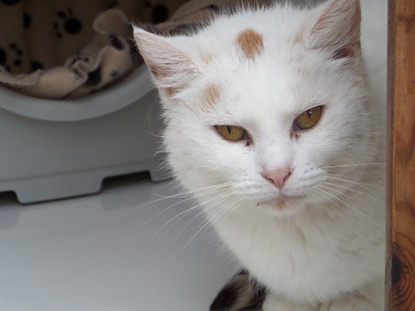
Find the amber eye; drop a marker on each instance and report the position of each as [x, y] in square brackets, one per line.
[231, 132]
[308, 118]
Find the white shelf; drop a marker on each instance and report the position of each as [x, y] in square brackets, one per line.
[103, 253]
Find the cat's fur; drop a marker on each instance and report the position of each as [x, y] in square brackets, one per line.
[317, 243]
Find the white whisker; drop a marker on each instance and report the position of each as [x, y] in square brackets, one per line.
[333, 177]
[221, 212]
[328, 195]
[189, 210]
[188, 198]
[354, 165]
[352, 190]
[202, 211]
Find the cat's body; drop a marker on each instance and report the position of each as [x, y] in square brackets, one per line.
[302, 209]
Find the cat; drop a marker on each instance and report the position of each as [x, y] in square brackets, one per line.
[275, 122]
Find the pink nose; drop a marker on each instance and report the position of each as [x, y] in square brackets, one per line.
[278, 176]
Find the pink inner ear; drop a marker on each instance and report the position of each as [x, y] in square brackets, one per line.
[348, 51]
[171, 67]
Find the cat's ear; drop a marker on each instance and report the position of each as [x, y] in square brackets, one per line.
[337, 29]
[171, 67]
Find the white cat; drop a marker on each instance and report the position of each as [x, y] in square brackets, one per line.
[275, 122]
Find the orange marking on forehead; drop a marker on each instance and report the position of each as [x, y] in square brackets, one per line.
[212, 94]
[250, 43]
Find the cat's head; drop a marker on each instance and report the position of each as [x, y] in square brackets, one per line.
[266, 109]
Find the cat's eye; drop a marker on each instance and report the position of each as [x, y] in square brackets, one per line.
[231, 132]
[308, 118]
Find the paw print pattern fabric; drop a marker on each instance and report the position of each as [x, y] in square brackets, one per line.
[70, 48]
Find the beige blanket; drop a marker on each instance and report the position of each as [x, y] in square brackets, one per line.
[66, 49]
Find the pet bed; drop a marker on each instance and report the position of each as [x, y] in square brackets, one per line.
[57, 142]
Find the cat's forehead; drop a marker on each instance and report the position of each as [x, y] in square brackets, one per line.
[251, 98]
[248, 35]
[263, 89]
[249, 46]
[255, 62]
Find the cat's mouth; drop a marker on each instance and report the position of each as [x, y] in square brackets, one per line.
[282, 201]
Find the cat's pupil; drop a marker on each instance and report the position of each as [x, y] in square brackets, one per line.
[229, 129]
[310, 114]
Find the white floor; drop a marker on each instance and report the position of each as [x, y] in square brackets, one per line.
[120, 250]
